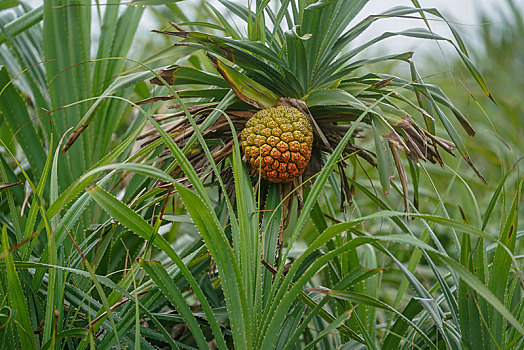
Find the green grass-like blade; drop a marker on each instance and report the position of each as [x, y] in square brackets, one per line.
[52, 287]
[17, 298]
[499, 273]
[363, 299]
[74, 332]
[16, 115]
[400, 327]
[140, 227]
[334, 325]
[228, 268]
[15, 217]
[22, 23]
[34, 207]
[10, 177]
[159, 275]
[483, 291]
[494, 199]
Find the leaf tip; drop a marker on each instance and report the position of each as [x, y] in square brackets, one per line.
[492, 99]
[73, 137]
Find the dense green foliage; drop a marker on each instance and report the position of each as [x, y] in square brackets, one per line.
[134, 225]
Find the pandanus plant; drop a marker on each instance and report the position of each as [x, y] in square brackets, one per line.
[298, 91]
[294, 87]
[301, 56]
[291, 92]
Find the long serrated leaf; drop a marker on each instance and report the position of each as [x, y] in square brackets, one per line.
[159, 275]
[228, 267]
[270, 230]
[140, 227]
[64, 49]
[50, 245]
[16, 115]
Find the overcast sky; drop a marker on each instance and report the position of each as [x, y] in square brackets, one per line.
[464, 13]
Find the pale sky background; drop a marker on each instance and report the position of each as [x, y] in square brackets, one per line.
[464, 13]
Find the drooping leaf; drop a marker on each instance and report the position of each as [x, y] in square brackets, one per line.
[246, 88]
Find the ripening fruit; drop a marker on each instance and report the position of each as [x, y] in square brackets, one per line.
[277, 142]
